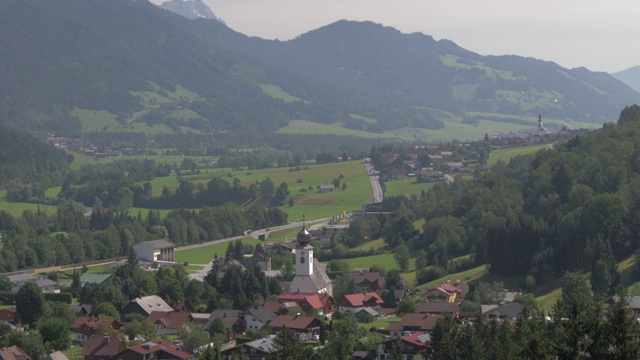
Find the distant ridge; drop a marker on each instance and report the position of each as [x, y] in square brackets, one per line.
[191, 9]
[630, 76]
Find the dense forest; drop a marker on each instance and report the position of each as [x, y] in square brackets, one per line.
[27, 159]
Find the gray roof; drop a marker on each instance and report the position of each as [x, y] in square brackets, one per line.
[511, 310]
[317, 281]
[157, 244]
[262, 313]
[369, 311]
[262, 345]
[21, 278]
[58, 355]
[152, 303]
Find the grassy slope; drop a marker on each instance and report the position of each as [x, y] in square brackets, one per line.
[508, 153]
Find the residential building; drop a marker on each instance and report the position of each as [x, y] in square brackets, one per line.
[310, 302]
[168, 323]
[156, 350]
[252, 350]
[257, 317]
[502, 312]
[84, 327]
[13, 353]
[145, 305]
[233, 321]
[413, 346]
[103, 347]
[305, 327]
[369, 280]
[10, 315]
[427, 307]
[357, 302]
[413, 322]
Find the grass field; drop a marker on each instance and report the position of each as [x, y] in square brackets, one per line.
[203, 255]
[408, 186]
[17, 208]
[312, 204]
[506, 154]
[276, 92]
[373, 244]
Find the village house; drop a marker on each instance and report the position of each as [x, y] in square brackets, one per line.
[13, 353]
[413, 322]
[168, 323]
[357, 302]
[84, 327]
[10, 316]
[412, 346]
[501, 312]
[428, 307]
[306, 328]
[46, 285]
[368, 280]
[233, 321]
[156, 350]
[103, 347]
[257, 317]
[283, 308]
[252, 350]
[447, 292]
[145, 305]
[310, 302]
[82, 310]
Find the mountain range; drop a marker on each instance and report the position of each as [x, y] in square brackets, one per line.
[630, 77]
[140, 63]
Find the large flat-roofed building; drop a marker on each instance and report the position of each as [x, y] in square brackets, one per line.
[155, 251]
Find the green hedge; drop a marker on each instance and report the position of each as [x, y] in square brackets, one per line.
[9, 298]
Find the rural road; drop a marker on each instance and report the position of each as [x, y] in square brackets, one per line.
[378, 195]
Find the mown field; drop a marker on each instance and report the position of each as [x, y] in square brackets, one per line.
[302, 186]
[408, 186]
[508, 153]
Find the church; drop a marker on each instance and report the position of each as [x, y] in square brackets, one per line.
[311, 276]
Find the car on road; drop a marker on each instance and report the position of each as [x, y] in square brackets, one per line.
[268, 229]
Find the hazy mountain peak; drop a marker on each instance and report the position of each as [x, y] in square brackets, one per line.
[192, 9]
[630, 76]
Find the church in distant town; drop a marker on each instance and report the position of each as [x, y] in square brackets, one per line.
[311, 276]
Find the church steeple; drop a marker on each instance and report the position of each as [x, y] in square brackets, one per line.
[304, 252]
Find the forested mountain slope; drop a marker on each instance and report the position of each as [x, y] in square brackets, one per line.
[123, 55]
[27, 159]
[572, 208]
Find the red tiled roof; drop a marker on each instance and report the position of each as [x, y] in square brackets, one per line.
[94, 323]
[312, 298]
[13, 353]
[105, 346]
[161, 345]
[416, 338]
[362, 299]
[170, 320]
[295, 322]
[415, 322]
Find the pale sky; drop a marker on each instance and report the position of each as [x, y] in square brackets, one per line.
[601, 35]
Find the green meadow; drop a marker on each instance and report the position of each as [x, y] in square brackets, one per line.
[310, 202]
[17, 208]
[408, 186]
[508, 153]
[204, 254]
